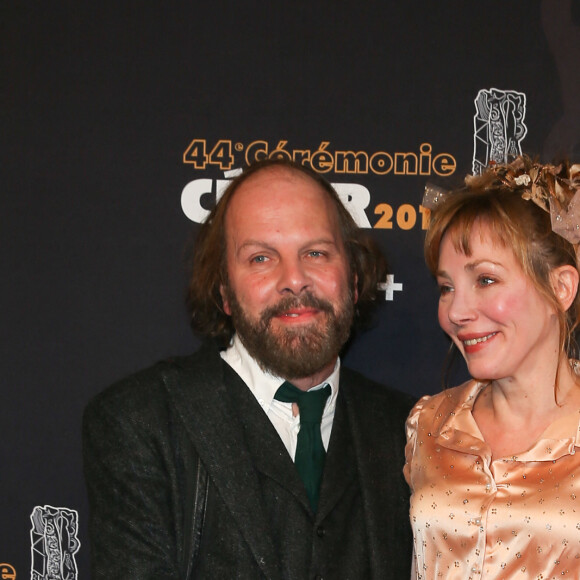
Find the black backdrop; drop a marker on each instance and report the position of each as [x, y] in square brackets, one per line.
[100, 105]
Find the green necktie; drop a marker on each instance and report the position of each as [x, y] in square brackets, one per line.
[310, 451]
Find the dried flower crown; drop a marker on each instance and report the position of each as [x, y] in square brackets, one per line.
[554, 188]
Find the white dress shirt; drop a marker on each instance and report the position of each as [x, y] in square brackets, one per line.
[264, 385]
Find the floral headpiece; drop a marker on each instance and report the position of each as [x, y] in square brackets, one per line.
[554, 188]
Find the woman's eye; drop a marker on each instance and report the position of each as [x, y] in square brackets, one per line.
[486, 280]
[444, 289]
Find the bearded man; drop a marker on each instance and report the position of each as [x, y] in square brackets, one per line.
[263, 458]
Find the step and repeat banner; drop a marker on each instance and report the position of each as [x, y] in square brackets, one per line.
[121, 125]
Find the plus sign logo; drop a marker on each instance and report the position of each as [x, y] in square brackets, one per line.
[390, 286]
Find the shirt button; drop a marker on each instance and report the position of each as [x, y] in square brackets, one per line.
[320, 531]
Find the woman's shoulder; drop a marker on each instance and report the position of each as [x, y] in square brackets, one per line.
[440, 406]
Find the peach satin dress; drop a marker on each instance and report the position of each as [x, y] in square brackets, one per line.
[474, 518]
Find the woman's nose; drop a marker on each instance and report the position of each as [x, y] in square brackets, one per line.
[461, 308]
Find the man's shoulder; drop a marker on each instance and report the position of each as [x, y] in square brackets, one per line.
[146, 388]
[373, 392]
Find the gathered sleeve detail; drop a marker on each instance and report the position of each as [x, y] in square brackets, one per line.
[411, 428]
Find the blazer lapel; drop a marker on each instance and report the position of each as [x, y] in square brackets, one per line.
[268, 453]
[200, 397]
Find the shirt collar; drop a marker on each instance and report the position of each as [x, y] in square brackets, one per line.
[460, 432]
[264, 384]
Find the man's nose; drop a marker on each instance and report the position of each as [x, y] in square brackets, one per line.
[294, 277]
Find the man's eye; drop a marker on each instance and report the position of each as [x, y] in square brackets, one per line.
[315, 254]
[259, 259]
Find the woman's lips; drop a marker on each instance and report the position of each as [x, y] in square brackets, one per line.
[473, 343]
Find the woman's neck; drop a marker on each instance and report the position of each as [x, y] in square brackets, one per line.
[512, 413]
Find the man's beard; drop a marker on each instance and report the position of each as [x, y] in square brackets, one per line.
[294, 352]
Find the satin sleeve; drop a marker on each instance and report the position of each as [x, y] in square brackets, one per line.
[411, 427]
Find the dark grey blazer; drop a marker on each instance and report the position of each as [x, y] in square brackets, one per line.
[142, 442]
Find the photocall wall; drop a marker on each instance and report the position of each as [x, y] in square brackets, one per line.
[122, 124]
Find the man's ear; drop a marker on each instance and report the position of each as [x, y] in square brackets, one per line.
[225, 302]
[565, 284]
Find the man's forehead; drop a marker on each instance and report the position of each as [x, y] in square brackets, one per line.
[278, 173]
[278, 198]
[284, 182]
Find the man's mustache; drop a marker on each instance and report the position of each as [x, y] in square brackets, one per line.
[292, 302]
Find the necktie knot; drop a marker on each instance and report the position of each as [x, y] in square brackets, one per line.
[310, 451]
[310, 403]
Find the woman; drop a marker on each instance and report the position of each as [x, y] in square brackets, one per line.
[493, 464]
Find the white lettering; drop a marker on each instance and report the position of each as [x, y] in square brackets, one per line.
[191, 199]
[356, 198]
